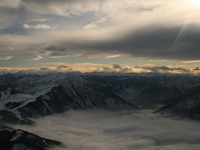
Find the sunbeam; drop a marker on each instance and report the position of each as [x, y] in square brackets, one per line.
[183, 30]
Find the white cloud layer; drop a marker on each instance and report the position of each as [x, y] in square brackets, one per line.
[128, 130]
[38, 26]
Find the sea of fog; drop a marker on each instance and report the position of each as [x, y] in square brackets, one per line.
[119, 130]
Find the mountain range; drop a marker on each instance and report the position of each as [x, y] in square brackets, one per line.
[24, 96]
[35, 96]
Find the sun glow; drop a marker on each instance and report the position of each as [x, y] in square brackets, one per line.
[196, 2]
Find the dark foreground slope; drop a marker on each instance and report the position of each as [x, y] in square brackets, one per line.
[23, 140]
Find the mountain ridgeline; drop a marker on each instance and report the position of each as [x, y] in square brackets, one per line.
[35, 96]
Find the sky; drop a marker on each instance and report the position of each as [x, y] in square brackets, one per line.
[100, 36]
[107, 130]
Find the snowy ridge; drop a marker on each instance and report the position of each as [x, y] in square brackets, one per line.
[35, 87]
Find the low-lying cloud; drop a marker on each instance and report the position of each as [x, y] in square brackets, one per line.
[197, 68]
[165, 69]
[62, 67]
[100, 69]
[116, 68]
[106, 130]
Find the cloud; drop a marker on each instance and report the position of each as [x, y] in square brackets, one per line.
[112, 56]
[41, 26]
[165, 69]
[50, 67]
[155, 43]
[98, 68]
[62, 67]
[150, 35]
[107, 69]
[187, 62]
[38, 20]
[197, 68]
[90, 27]
[126, 69]
[116, 66]
[107, 130]
[38, 26]
[93, 25]
[10, 3]
[44, 68]
[56, 48]
[26, 26]
[61, 7]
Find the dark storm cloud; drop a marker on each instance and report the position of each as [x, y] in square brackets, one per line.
[150, 43]
[164, 68]
[156, 43]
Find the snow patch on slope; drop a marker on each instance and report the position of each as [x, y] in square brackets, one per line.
[16, 135]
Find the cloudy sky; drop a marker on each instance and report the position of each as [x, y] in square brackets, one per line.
[100, 35]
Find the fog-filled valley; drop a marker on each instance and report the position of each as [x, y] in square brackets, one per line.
[117, 130]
